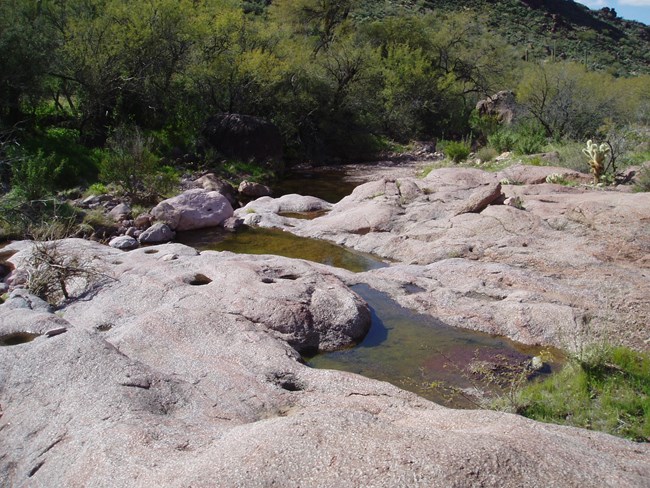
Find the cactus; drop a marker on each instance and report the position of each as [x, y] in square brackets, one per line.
[596, 155]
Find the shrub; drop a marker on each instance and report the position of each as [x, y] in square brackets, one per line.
[33, 175]
[529, 139]
[457, 151]
[97, 189]
[52, 272]
[502, 140]
[571, 155]
[163, 182]
[129, 162]
[19, 216]
[486, 154]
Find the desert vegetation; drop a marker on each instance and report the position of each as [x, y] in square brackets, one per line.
[110, 92]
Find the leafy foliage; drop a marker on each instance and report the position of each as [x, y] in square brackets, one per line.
[457, 151]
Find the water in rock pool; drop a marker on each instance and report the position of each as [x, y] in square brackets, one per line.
[280, 243]
[410, 350]
[421, 354]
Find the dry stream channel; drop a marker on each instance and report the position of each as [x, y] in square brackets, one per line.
[417, 352]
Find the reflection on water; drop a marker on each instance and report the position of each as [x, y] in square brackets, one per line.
[329, 184]
[280, 243]
[421, 354]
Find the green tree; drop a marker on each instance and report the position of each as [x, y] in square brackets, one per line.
[566, 99]
[27, 44]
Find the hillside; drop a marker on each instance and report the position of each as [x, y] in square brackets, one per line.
[538, 29]
[566, 29]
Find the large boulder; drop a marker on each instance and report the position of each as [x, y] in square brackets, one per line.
[245, 138]
[193, 209]
[183, 371]
[211, 182]
[502, 105]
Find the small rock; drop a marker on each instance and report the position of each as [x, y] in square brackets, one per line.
[233, 223]
[143, 221]
[123, 242]
[158, 232]
[120, 212]
[515, 202]
[254, 190]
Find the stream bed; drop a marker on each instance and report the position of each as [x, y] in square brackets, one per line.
[416, 352]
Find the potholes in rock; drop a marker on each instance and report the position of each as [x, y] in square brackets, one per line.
[104, 327]
[291, 277]
[268, 280]
[198, 280]
[151, 251]
[17, 338]
[286, 381]
[412, 289]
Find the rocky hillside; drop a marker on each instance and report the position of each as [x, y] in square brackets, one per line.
[541, 29]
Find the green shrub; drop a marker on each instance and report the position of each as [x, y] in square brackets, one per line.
[21, 216]
[33, 175]
[529, 139]
[129, 163]
[503, 140]
[570, 155]
[97, 189]
[457, 151]
[604, 388]
[164, 182]
[77, 163]
[486, 154]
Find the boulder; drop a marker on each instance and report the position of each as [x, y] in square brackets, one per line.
[143, 221]
[193, 209]
[245, 138]
[534, 175]
[291, 203]
[210, 182]
[158, 232]
[502, 105]
[253, 190]
[124, 242]
[120, 212]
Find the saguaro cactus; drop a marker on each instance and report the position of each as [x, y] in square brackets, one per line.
[596, 154]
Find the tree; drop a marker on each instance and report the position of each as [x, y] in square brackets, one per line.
[319, 19]
[566, 99]
[27, 45]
